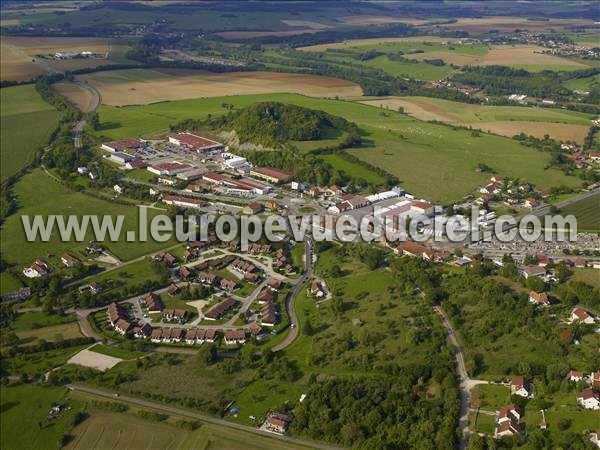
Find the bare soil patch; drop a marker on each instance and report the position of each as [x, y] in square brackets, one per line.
[524, 55]
[417, 109]
[18, 55]
[98, 361]
[185, 84]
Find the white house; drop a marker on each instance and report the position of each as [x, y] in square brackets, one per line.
[520, 386]
[82, 170]
[118, 189]
[589, 399]
[581, 315]
[575, 375]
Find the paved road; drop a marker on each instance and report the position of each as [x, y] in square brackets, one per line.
[289, 302]
[465, 383]
[202, 417]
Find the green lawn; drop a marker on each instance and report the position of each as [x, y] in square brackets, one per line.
[117, 352]
[352, 169]
[23, 418]
[586, 212]
[430, 160]
[587, 275]
[23, 109]
[40, 362]
[58, 200]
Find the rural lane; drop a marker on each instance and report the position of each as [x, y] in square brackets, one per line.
[202, 417]
[289, 302]
[465, 383]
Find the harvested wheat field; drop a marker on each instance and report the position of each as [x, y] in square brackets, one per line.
[525, 55]
[138, 86]
[559, 131]
[19, 52]
[485, 24]
[76, 94]
[503, 120]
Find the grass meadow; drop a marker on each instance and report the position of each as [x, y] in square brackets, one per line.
[37, 194]
[23, 419]
[504, 120]
[586, 212]
[26, 123]
[430, 160]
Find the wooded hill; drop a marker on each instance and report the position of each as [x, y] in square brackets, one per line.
[273, 124]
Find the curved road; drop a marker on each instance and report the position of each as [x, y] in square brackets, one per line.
[289, 302]
[202, 417]
[465, 383]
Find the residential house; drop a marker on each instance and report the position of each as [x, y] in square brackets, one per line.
[217, 311]
[207, 278]
[510, 412]
[253, 208]
[156, 335]
[316, 289]
[581, 315]
[152, 302]
[210, 336]
[173, 289]
[38, 269]
[176, 334]
[233, 337]
[540, 299]
[595, 378]
[166, 335]
[520, 386]
[227, 284]
[277, 423]
[575, 375]
[589, 399]
[123, 326]
[532, 271]
[69, 260]
[507, 428]
[142, 332]
[274, 284]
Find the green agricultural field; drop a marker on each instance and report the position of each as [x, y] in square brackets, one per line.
[432, 161]
[582, 84]
[352, 169]
[59, 200]
[586, 212]
[23, 109]
[587, 275]
[23, 420]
